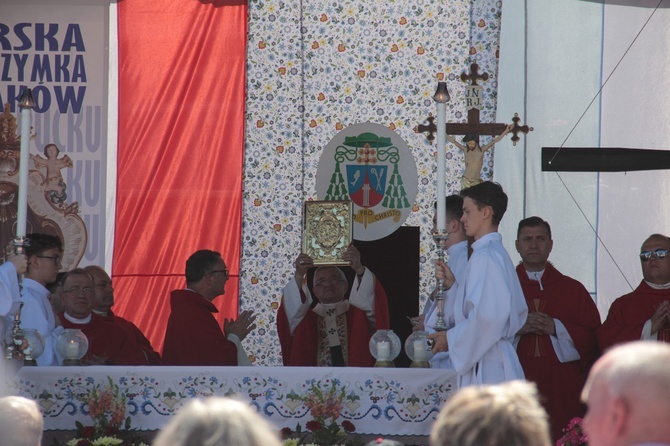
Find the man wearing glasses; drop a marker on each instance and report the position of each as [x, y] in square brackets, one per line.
[336, 332]
[108, 343]
[44, 254]
[644, 313]
[193, 336]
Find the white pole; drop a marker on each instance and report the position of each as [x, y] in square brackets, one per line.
[441, 97]
[26, 103]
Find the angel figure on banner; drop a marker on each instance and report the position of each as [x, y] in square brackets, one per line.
[474, 155]
[54, 186]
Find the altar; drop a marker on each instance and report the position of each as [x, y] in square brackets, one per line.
[378, 401]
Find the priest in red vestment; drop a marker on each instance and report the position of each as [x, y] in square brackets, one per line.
[193, 336]
[337, 331]
[557, 345]
[102, 306]
[108, 343]
[644, 313]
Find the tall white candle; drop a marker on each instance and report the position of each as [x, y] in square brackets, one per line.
[383, 351]
[24, 157]
[420, 352]
[71, 350]
[441, 165]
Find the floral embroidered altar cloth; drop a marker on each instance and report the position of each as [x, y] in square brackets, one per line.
[379, 401]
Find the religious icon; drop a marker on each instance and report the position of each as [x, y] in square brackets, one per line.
[54, 186]
[48, 210]
[327, 231]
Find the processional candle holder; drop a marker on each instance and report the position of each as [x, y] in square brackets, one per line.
[18, 345]
[24, 344]
[17, 342]
[385, 347]
[441, 235]
[418, 349]
[440, 238]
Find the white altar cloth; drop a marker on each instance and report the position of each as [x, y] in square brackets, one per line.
[378, 401]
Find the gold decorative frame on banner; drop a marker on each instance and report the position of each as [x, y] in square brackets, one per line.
[327, 231]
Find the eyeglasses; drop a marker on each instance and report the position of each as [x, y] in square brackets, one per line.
[79, 289]
[225, 271]
[659, 254]
[325, 280]
[56, 259]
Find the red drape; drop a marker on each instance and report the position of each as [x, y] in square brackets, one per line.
[180, 150]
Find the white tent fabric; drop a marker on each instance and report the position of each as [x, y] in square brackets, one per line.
[555, 56]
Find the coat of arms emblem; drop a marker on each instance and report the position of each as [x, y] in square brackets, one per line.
[373, 167]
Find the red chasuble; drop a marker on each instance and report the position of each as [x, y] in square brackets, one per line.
[628, 315]
[136, 334]
[109, 341]
[193, 336]
[301, 348]
[559, 384]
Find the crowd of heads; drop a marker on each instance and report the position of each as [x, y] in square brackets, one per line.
[507, 414]
[218, 421]
[21, 422]
[628, 396]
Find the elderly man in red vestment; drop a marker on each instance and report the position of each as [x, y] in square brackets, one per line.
[644, 313]
[108, 343]
[557, 344]
[102, 305]
[337, 331]
[193, 336]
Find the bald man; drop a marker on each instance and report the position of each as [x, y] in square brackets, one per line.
[21, 422]
[628, 396]
[102, 305]
[643, 314]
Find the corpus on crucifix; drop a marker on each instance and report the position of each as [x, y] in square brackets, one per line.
[474, 128]
[474, 155]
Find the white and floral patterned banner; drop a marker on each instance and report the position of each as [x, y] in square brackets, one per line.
[376, 401]
[315, 67]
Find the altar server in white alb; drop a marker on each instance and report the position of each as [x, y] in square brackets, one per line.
[44, 253]
[9, 289]
[457, 252]
[489, 307]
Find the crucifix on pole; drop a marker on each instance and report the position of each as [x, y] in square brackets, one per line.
[473, 128]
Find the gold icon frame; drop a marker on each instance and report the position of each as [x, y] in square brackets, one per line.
[327, 231]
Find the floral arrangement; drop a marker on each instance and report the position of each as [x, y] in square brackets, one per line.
[573, 434]
[325, 408]
[110, 427]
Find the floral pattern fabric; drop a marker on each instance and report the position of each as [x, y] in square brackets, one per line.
[377, 401]
[314, 67]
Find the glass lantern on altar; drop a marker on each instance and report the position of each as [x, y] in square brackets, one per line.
[35, 346]
[418, 349]
[71, 346]
[384, 347]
